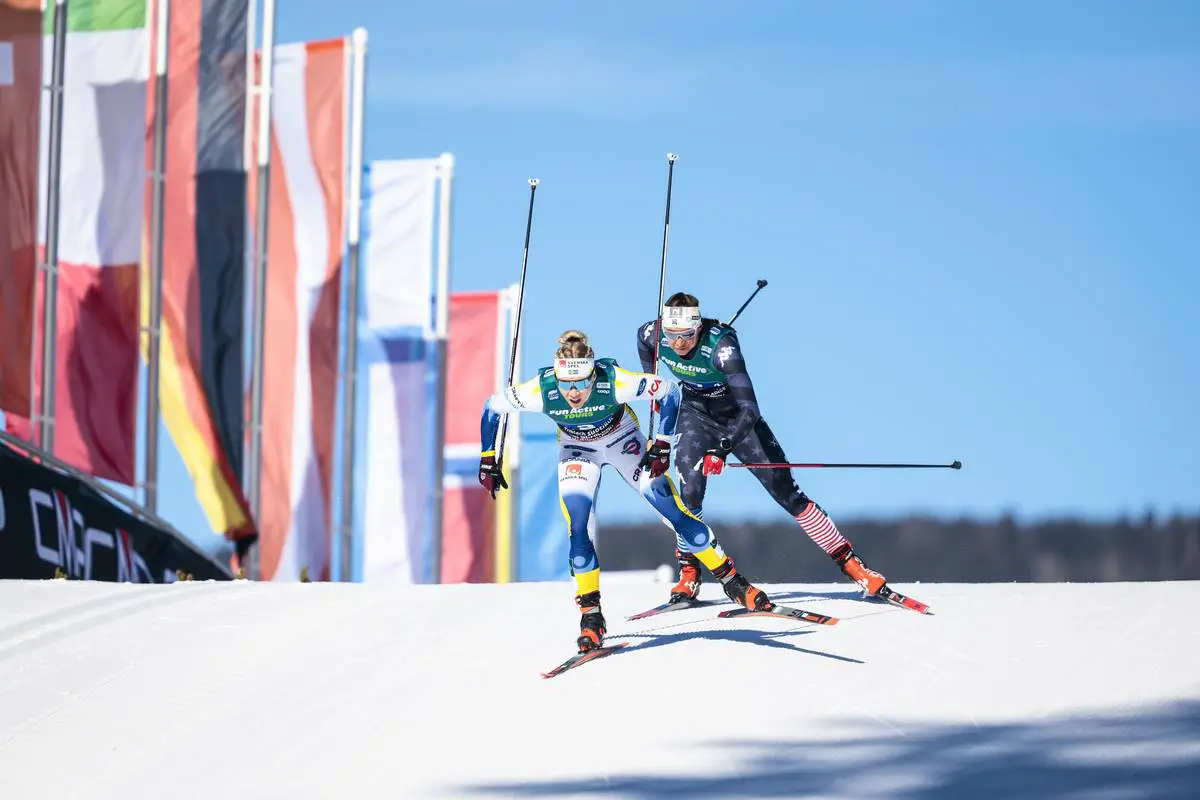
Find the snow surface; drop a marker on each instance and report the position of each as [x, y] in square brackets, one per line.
[357, 690]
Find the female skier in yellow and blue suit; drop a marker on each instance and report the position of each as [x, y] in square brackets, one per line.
[587, 398]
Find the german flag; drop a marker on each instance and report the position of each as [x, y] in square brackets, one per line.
[204, 258]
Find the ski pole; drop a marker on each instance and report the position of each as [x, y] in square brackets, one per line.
[512, 356]
[662, 275]
[761, 283]
[954, 465]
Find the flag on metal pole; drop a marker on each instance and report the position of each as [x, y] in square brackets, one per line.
[404, 274]
[204, 255]
[306, 243]
[99, 160]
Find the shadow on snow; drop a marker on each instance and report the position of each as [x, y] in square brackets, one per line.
[1152, 755]
[764, 638]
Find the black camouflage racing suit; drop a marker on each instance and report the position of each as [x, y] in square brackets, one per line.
[718, 402]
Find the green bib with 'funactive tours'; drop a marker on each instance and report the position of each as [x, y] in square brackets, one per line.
[701, 368]
[600, 407]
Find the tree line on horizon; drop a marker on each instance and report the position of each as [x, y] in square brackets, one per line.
[944, 550]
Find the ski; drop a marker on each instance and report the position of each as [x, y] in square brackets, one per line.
[787, 612]
[668, 607]
[890, 595]
[582, 658]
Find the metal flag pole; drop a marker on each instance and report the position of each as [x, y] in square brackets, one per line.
[50, 265]
[254, 454]
[154, 323]
[442, 337]
[357, 92]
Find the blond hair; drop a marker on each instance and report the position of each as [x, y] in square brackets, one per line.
[574, 344]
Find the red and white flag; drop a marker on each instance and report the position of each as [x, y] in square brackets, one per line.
[306, 241]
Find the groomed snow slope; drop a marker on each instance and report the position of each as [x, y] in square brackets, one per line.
[251, 690]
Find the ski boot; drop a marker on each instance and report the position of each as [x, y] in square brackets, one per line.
[854, 568]
[688, 586]
[591, 625]
[740, 590]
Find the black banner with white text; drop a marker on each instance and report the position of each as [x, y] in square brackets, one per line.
[50, 520]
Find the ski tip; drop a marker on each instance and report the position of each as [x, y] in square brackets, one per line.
[904, 601]
[582, 658]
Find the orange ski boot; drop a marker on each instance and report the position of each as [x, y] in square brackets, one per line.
[740, 590]
[870, 580]
[591, 624]
[688, 586]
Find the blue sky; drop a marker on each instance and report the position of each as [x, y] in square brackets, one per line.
[978, 221]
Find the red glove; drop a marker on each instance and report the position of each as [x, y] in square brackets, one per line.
[714, 458]
[490, 476]
[657, 458]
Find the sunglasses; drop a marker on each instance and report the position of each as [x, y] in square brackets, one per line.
[672, 336]
[579, 385]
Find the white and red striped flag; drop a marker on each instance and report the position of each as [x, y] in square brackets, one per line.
[306, 243]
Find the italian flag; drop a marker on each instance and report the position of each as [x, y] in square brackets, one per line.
[102, 189]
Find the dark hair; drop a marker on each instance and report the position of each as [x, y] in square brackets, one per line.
[683, 300]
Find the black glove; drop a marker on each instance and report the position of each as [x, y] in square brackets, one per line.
[657, 458]
[714, 457]
[490, 476]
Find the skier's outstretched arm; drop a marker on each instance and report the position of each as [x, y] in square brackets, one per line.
[525, 396]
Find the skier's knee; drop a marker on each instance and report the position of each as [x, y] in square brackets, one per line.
[583, 557]
[692, 535]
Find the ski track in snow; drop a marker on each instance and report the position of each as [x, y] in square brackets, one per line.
[267, 690]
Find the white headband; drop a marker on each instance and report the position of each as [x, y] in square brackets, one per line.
[572, 369]
[681, 317]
